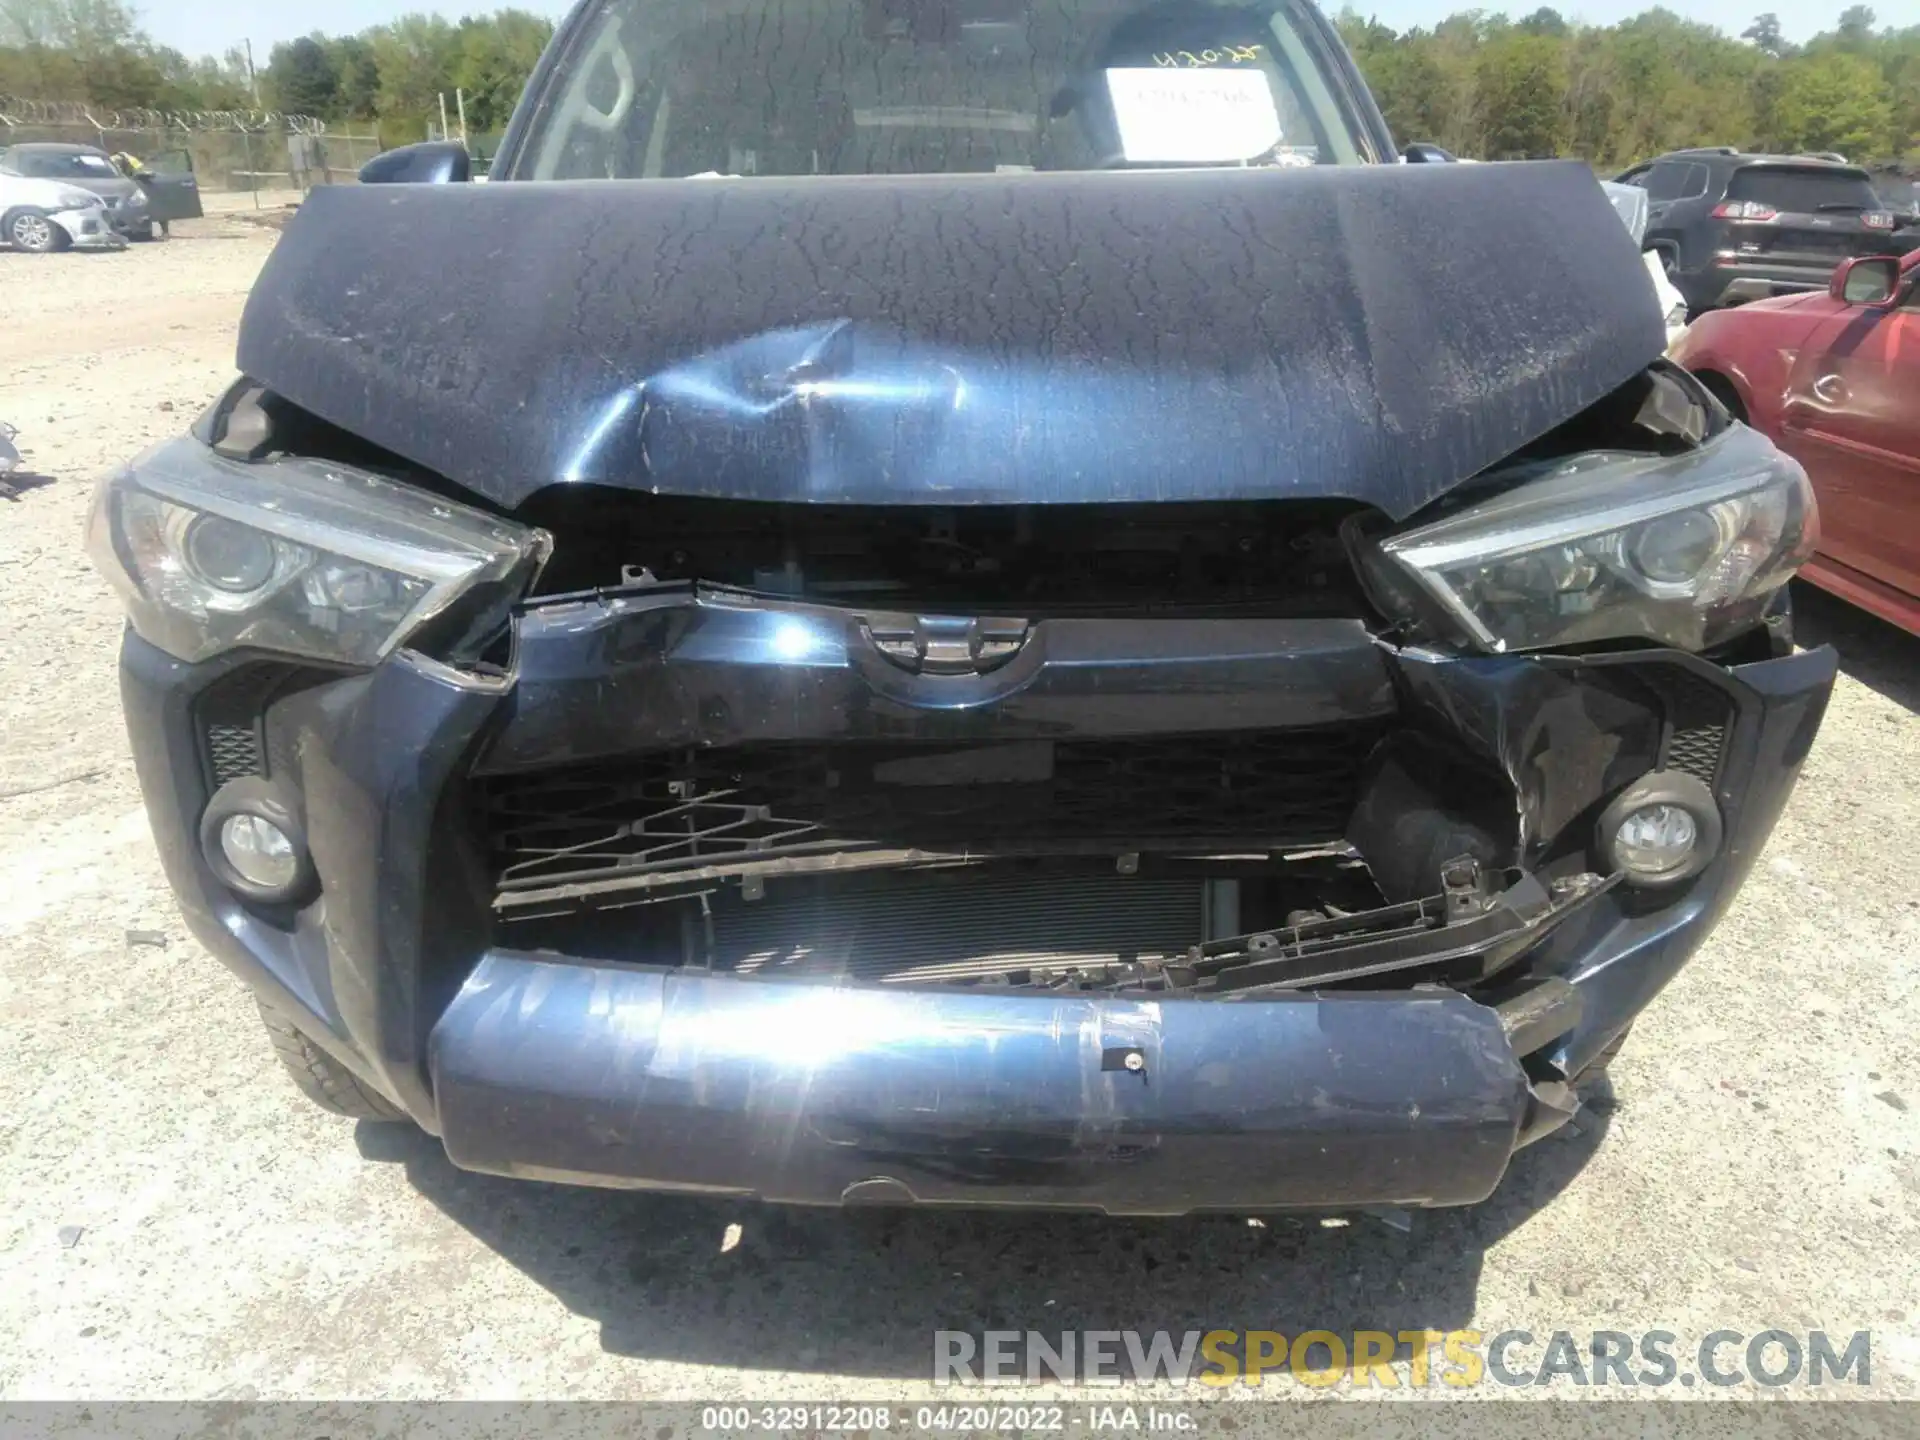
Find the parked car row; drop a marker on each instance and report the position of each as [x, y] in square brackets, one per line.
[55, 196]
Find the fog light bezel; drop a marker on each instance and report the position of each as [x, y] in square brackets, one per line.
[256, 796]
[1661, 787]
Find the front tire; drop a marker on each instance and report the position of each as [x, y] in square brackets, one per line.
[30, 230]
[323, 1079]
[145, 232]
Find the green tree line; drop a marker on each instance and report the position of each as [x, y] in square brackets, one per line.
[1485, 85]
[1479, 82]
[392, 75]
[395, 73]
[94, 50]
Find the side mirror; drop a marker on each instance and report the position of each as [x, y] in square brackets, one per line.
[1421, 153]
[1866, 280]
[432, 162]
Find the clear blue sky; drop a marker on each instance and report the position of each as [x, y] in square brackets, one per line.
[202, 29]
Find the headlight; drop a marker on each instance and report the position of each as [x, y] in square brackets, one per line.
[1683, 550]
[297, 556]
[76, 199]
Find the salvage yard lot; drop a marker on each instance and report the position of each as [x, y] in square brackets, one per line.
[178, 1222]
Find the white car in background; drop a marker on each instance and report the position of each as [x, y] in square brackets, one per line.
[1631, 205]
[45, 215]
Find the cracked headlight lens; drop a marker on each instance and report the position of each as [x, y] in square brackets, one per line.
[296, 556]
[1683, 550]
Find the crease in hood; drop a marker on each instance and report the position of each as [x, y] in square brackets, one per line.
[1374, 334]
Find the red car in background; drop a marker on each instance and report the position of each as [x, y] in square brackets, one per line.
[1834, 380]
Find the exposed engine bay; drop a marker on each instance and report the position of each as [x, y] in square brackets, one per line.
[1181, 846]
[1187, 925]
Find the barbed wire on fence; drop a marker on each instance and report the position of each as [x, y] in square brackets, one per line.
[229, 150]
[18, 111]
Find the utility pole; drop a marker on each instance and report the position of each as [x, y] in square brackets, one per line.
[253, 80]
[460, 100]
[443, 114]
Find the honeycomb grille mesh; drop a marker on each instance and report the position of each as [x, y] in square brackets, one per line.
[1696, 752]
[228, 715]
[233, 751]
[1696, 725]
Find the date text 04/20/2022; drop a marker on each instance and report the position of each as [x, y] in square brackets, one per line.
[958, 1419]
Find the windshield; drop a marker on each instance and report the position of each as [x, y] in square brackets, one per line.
[60, 165]
[661, 88]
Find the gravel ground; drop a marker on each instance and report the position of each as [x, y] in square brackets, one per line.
[179, 1223]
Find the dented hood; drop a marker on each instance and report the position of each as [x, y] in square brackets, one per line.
[1374, 334]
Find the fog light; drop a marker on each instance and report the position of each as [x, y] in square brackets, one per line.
[255, 844]
[259, 851]
[1656, 838]
[1661, 829]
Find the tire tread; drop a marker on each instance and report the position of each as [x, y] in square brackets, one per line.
[321, 1078]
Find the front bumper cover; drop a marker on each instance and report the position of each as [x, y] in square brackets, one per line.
[1737, 279]
[89, 229]
[804, 1093]
[549, 1065]
[130, 220]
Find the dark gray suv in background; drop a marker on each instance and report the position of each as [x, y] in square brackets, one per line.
[1734, 227]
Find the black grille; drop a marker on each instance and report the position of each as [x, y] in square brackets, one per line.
[1696, 725]
[229, 713]
[232, 751]
[682, 810]
[1696, 752]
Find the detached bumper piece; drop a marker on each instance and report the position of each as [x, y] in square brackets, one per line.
[830, 1094]
[826, 1095]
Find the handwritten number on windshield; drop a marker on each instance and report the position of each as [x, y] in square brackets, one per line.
[1226, 55]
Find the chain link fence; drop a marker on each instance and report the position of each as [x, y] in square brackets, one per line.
[482, 145]
[233, 151]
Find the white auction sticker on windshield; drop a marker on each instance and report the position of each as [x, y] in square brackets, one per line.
[1195, 117]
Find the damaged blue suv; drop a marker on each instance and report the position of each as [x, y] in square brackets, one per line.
[960, 602]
